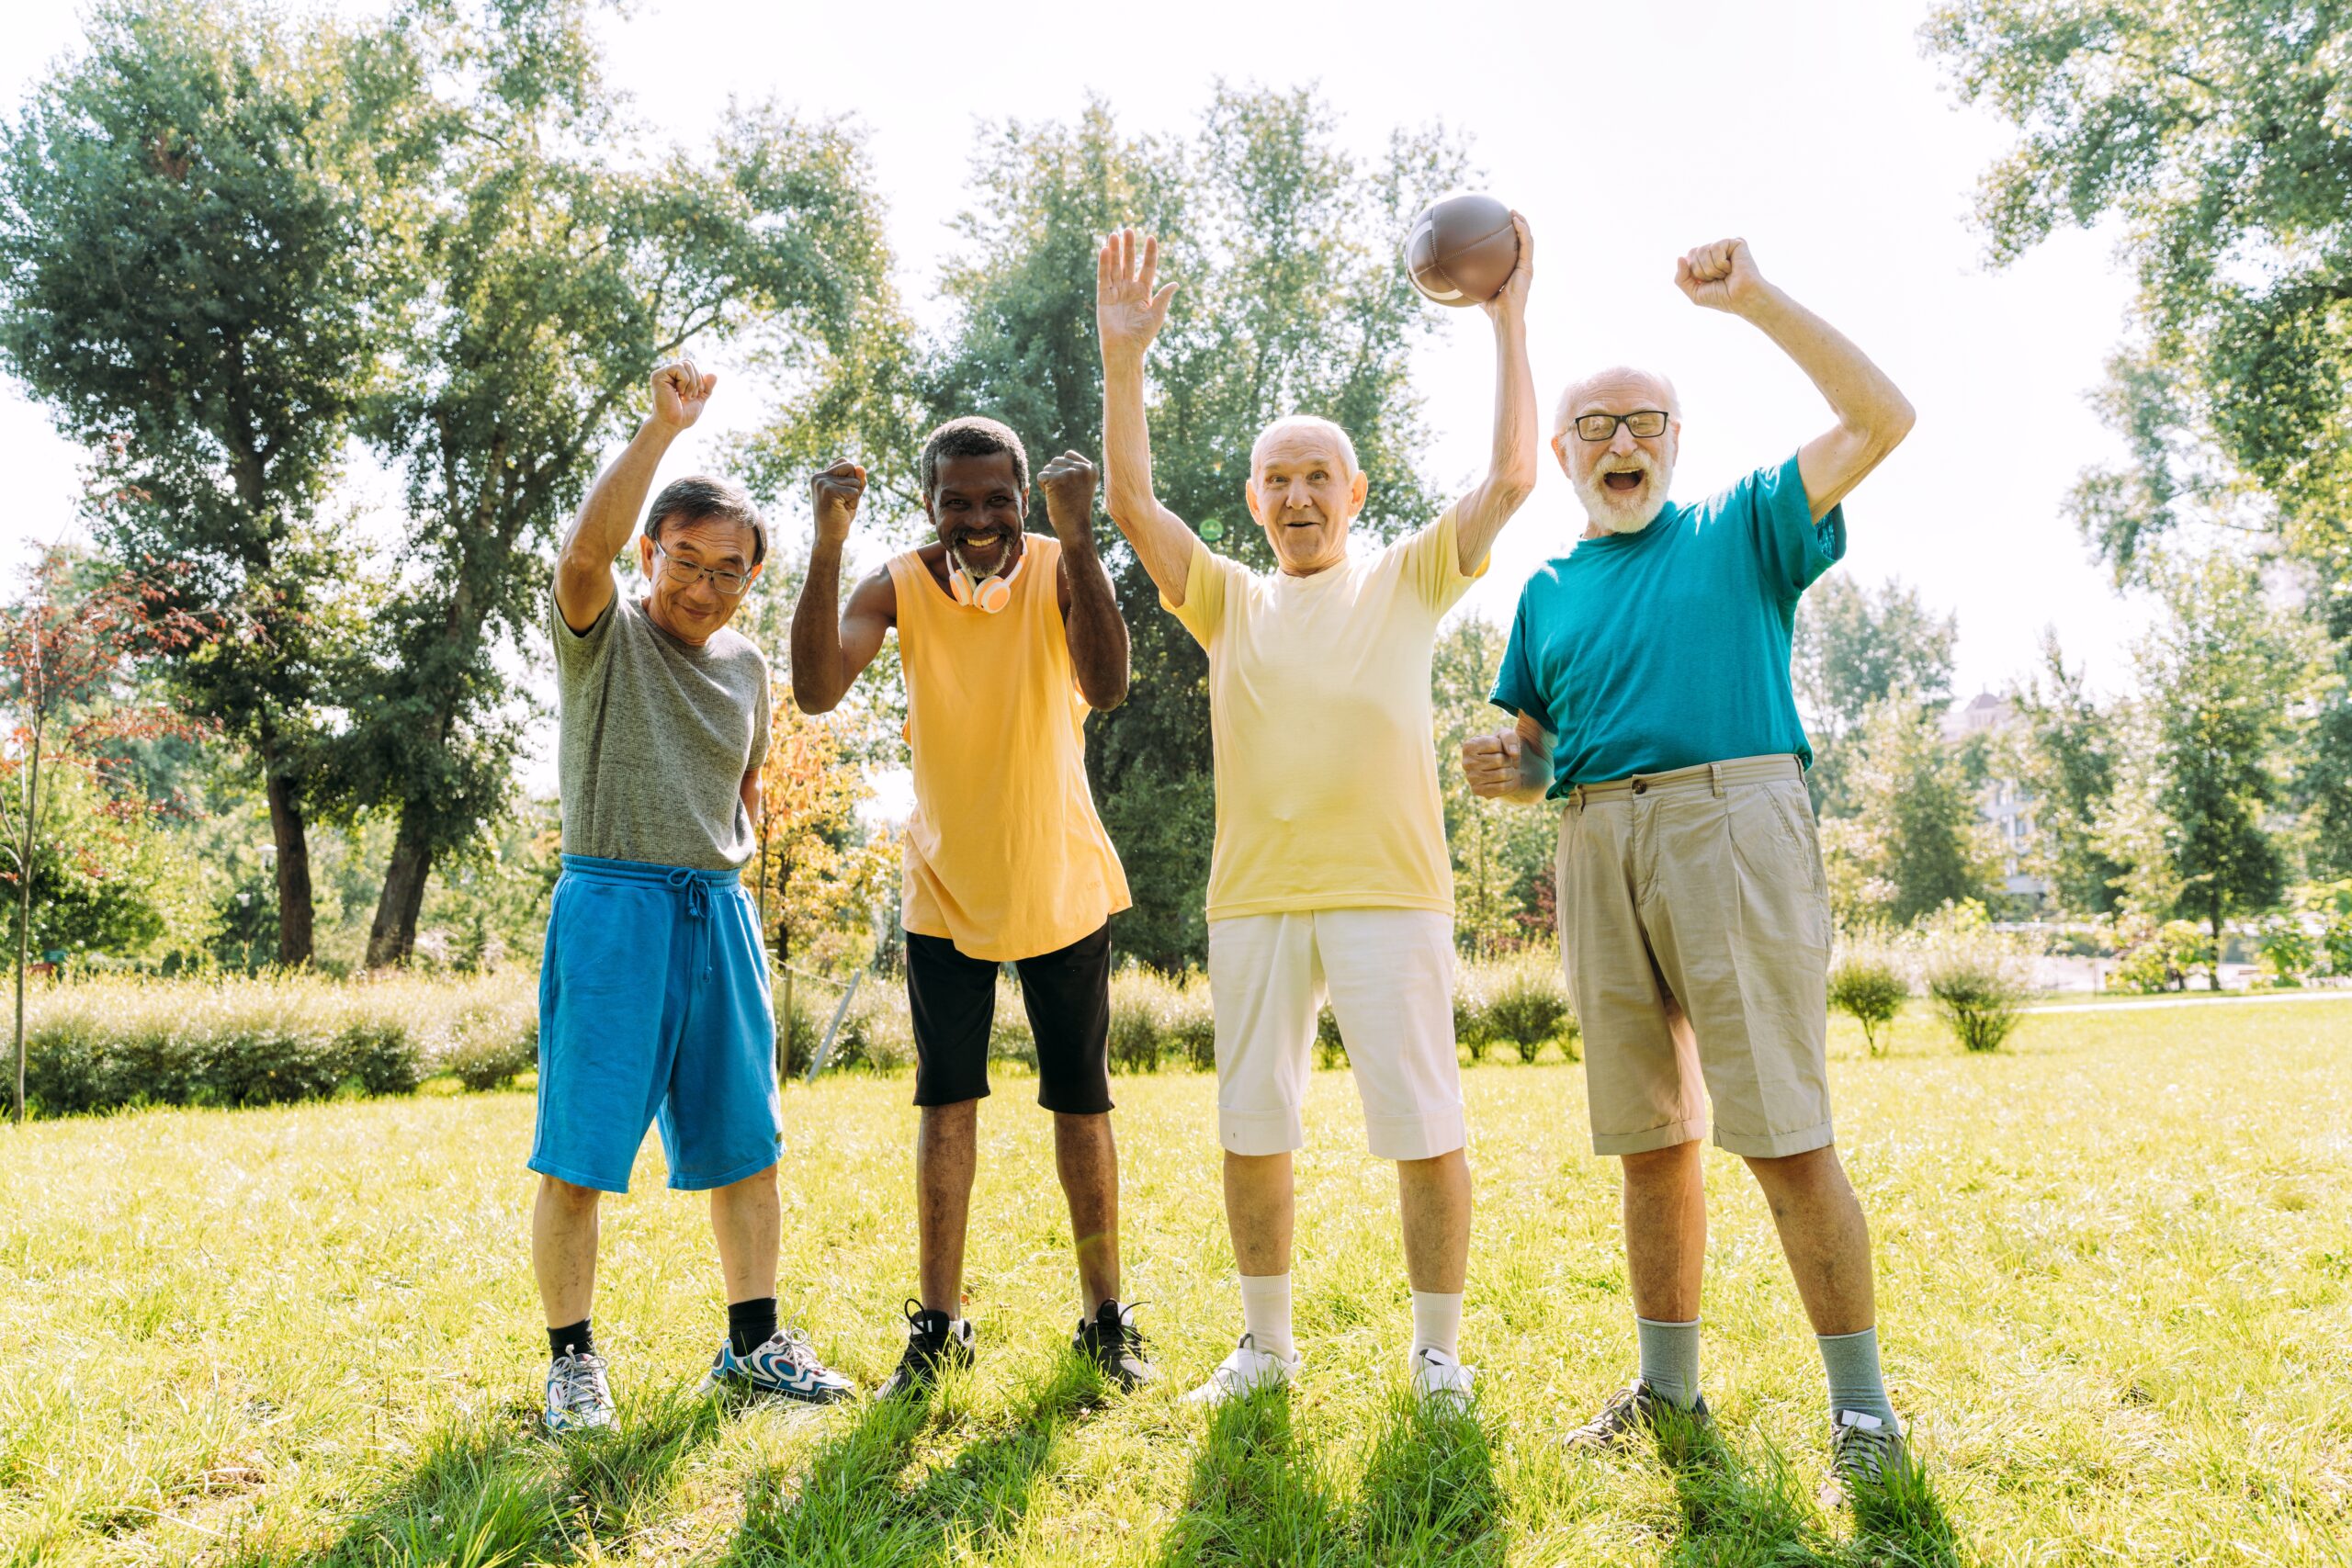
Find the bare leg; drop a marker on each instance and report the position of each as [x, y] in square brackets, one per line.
[1825, 1236]
[1087, 1157]
[1666, 1230]
[1433, 1196]
[947, 1153]
[747, 1219]
[1259, 1212]
[563, 1250]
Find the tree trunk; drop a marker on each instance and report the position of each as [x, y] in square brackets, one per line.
[286, 827]
[393, 937]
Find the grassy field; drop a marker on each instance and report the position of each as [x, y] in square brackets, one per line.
[2116, 1265]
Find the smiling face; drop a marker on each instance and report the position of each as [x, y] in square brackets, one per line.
[694, 611]
[1305, 490]
[977, 504]
[1623, 480]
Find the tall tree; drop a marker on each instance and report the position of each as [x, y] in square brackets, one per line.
[2065, 755]
[185, 282]
[1854, 647]
[551, 274]
[1916, 840]
[1293, 300]
[1502, 853]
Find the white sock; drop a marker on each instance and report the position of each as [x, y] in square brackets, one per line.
[1437, 1322]
[1265, 1313]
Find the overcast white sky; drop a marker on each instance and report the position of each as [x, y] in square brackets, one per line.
[1626, 132]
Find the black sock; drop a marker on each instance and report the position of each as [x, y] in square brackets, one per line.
[572, 1339]
[749, 1323]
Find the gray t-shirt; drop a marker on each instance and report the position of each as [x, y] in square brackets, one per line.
[657, 736]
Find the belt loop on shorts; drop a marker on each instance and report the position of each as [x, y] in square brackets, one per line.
[1715, 777]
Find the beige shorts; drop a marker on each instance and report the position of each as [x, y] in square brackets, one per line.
[1389, 976]
[1694, 927]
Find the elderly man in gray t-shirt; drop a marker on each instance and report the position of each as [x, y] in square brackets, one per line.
[653, 994]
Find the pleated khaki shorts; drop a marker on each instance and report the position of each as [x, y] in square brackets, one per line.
[1694, 928]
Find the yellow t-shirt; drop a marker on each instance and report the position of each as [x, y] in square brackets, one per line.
[1005, 855]
[1319, 709]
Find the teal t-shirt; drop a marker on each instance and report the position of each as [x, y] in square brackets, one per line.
[1669, 647]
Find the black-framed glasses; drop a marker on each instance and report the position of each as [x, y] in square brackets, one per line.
[1644, 422]
[686, 573]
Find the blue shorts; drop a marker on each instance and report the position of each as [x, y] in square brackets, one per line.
[653, 1007]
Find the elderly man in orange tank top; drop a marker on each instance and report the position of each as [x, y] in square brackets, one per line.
[1006, 639]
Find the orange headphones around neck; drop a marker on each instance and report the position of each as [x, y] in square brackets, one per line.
[987, 595]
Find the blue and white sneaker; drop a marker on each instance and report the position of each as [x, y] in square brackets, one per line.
[785, 1367]
[578, 1400]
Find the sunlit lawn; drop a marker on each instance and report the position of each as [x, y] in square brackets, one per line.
[2115, 1264]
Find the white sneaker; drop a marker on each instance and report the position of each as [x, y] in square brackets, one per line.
[578, 1400]
[1437, 1375]
[1245, 1372]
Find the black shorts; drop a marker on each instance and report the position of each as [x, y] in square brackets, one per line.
[1068, 995]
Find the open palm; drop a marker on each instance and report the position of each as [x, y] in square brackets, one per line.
[1128, 311]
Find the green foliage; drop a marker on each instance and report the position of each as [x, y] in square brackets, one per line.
[1869, 983]
[2289, 953]
[2064, 755]
[1978, 978]
[1525, 1004]
[1916, 840]
[1855, 647]
[1501, 853]
[2153, 956]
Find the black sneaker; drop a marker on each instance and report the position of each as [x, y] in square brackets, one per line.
[1633, 1411]
[934, 1340]
[1111, 1340]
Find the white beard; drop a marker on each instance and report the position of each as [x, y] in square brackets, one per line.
[1603, 507]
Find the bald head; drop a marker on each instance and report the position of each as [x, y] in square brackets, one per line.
[1297, 431]
[1621, 388]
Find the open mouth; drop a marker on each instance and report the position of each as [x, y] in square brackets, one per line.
[1625, 482]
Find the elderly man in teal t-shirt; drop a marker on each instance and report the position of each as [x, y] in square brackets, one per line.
[1648, 671]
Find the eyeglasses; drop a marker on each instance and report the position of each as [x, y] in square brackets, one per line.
[1644, 422]
[686, 573]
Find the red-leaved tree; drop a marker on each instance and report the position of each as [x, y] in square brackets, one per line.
[70, 644]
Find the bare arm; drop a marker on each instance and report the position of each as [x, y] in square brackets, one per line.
[1128, 314]
[832, 643]
[1091, 618]
[583, 567]
[1874, 416]
[751, 794]
[1479, 517]
[1512, 764]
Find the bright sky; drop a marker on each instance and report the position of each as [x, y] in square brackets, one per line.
[1627, 133]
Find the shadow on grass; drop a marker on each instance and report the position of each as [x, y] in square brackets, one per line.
[493, 1492]
[1429, 1492]
[1254, 1497]
[1754, 1513]
[857, 1502]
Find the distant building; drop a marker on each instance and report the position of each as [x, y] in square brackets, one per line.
[2004, 804]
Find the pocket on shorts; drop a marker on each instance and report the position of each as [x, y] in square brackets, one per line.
[1781, 857]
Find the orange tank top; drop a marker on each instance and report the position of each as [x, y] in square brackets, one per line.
[1005, 855]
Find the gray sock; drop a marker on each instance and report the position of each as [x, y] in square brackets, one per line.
[1671, 1359]
[1851, 1361]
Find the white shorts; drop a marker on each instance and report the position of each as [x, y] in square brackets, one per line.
[1389, 974]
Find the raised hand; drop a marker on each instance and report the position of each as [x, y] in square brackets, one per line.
[680, 392]
[1491, 763]
[1067, 484]
[837, 489]
[1722, 276]
[1129, 311]
[1512, 295]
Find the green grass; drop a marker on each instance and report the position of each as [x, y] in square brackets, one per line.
[2115, 1257]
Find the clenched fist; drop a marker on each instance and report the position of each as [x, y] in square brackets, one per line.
[837, 489]
[1067, 484]
[1722, 276]
[1498, 766]
[680, 392]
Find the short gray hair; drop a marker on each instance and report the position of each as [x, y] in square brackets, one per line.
[1574, 392]
[1312, 422]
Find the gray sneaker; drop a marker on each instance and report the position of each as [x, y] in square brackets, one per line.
[1632, 1412]
[578, 1397]
[1865, 1454]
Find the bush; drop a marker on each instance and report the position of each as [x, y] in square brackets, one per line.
[1527, 1004]
[2151, 958]
[1330, 1050]
[2289, 953]
[1868, 984]
[1191, 1024]
[1472, 1029]
[1979, 980]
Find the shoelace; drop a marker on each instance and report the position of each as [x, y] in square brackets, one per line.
[1622, 1407]
[581, 1382]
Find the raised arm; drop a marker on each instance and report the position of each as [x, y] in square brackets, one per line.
[583, 567]
[1090, 619]
[832, 643]
[1512, 764]
[1874, 416]
[1128, 314]
[1479, 517]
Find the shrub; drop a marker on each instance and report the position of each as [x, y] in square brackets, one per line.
[1868, 984]
[2289, 953]
[1138, 1032]
[1527, 1004]
[1191, 1023]
[1472, 1029]
[1978, 978]
[1330, 1050]
[2151, 958]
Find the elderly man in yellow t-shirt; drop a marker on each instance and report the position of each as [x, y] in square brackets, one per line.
[1329, 873]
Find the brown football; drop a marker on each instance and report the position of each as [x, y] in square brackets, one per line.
[1462, 248]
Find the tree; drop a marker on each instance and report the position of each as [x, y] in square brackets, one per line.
[1502, 853]
[548, 276]
[66, 653]
[2065, 756]
[185, 282]
[817, 871]
[1293, 298]
[1916, 840]
[2219, 675]
[1853, 648]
